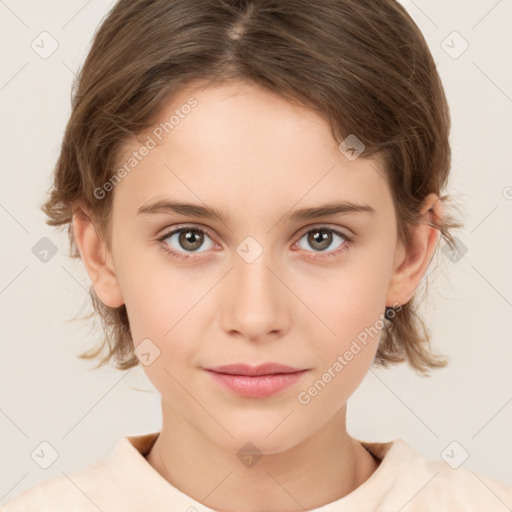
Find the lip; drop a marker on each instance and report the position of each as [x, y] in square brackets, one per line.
[262, 369]
[256, 381]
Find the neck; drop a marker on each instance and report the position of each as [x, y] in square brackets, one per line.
[323, 468]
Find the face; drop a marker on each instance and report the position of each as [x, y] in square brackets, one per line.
[262, 283]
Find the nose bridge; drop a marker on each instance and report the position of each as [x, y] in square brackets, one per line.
[255, 302]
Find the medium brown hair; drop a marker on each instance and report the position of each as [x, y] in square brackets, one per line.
[363, 65]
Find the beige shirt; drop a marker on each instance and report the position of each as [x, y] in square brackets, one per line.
[404, 481]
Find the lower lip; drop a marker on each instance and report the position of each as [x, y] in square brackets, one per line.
[257, 386]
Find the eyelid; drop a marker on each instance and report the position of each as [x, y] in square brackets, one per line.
[166, 233]
[345, 232]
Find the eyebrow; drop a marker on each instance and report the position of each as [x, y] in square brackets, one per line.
[207, 212]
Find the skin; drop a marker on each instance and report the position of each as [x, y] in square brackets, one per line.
[256, 157]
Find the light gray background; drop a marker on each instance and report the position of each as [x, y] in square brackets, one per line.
[49, 395]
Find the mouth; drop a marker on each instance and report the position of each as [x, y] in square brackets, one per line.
[262, 369]
[260, 381]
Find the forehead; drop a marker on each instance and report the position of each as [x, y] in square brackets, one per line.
[236, 146]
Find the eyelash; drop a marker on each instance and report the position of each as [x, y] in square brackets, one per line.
[319, 255]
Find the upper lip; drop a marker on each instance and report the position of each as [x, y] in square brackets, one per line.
[262, 369]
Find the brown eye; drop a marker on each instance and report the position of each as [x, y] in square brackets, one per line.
[190, 239]
[321, 239]
[185, 240]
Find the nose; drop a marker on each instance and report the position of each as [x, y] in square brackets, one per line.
[254, 301]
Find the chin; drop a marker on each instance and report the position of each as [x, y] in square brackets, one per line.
[268, 434]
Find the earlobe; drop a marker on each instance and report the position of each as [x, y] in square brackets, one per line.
[95, 255]
[412, 262]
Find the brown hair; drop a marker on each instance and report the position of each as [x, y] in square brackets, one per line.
[363, 65]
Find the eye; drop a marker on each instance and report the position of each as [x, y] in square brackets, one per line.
[322, 238]
[184, 242]
[181, 241]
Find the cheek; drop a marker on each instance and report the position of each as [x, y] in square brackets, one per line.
[348, 301]
[351, 305]
[160, 327]
[343, 358]
[154, 295]
[150, 309]
[164, 307]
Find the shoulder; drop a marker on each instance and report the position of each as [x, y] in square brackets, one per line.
[422, 484]
[56, 494]
[459, 489]
[76, 490]
[95, 487]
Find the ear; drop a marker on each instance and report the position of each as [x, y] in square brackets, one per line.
[97, 259]
[412, 262]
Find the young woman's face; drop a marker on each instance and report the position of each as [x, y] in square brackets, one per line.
[264, 284]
